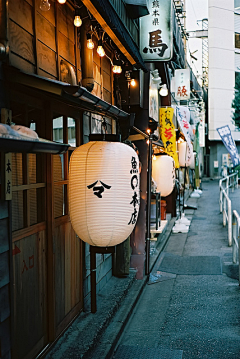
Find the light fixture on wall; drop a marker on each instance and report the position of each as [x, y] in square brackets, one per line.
[163, 90]
[90, 43]
[117, 68]
[100, 49]
[156, 79]
[77, 18]
[62, 1]
[44, 5]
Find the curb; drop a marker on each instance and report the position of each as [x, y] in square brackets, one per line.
[106, 345]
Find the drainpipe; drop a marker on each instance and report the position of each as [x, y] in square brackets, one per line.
[86, 59]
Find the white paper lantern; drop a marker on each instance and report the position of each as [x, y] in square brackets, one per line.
[163, 172]
[104, 192]
[185, 154]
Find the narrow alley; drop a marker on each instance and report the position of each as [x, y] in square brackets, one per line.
[193, 312]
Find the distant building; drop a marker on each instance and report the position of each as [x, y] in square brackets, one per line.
[224, 66]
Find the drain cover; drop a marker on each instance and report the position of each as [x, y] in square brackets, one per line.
[193, 265]
[136, 352]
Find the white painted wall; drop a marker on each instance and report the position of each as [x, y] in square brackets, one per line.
[221, 66]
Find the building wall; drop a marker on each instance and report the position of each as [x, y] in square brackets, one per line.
[221, 66]
[217, 150]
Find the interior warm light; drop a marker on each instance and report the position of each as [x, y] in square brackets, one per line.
[77, 21]
[62, 1]
[133, 82]
[148, 142]
[44, 5]
[148, 131]
[100, 51]
[163, 90]
[154, 157]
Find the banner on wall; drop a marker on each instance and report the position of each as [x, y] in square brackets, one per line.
[182, 84]
[226, 136]
[183, 118]
[156, 35]
[168, 134]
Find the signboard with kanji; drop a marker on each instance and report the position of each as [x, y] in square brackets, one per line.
[226, 136]
[182, 84]
[156, 37]
[168, 134]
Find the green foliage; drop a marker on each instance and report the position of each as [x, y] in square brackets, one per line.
[236, 102]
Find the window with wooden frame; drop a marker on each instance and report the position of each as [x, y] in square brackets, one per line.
[28, 176]
[64, 131]
[27, 191]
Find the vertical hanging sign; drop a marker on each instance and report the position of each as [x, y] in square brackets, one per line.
[226, 136]
[168, 134]
[8, 176]
[182, 84]
[156, 37]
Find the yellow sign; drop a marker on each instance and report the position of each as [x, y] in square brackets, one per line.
[168, 134]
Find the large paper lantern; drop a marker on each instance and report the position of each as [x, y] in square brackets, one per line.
[185, 154]
[104, 192]
[163, 172]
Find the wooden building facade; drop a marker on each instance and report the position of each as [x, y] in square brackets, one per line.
[44, 272]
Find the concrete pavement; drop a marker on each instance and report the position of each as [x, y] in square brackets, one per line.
[188, 311]
[192, 315]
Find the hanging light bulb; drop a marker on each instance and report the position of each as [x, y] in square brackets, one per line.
[133, 82]
[90, 43]
[100, 49]
[117, 68]
[62, 1]
[77, 19]
[44, 5]
[163, 90]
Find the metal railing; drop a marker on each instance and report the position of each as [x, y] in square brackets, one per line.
[225, 203]
[236, 236]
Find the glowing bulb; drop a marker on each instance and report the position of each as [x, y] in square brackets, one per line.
[62, 1]
[133, 83]
[163, 91]
[77, 21]
[148, 131]
[44, 6]
[90, 44]
[148, 142]
[154, 157]
[100, 51]
[117, 69]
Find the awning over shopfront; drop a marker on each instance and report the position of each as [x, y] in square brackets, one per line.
[31, 146]
[107, 17]
[77, 95]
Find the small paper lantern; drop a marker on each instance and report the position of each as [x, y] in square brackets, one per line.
[104, 192]
[185, 154]
[163, 172]
[192, 163]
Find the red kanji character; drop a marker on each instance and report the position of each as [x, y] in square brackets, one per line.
[185, 124]
[24, 267]
[168, 133]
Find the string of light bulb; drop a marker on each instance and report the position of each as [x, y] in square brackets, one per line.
[116, 66]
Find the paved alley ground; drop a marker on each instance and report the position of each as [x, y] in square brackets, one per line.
[191, 309]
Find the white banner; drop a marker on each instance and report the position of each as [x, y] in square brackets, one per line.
[182, 84]
[183, 118]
